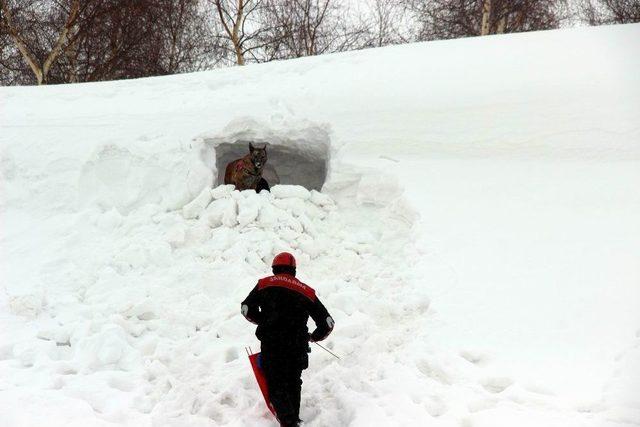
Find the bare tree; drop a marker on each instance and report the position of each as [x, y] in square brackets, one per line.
[109, 39]
[40, 45]
[297, 28]
[486, 18]
[140, 38]
[442, 19]
[114, 40]
[599, 12]
[58, 41]
[236, 18]
[12, 66]
[187, 36]
[386, 22]
[308, 17]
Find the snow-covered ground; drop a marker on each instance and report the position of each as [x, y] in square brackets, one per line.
[477, 237]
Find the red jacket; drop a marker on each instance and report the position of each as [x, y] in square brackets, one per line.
[281, 305]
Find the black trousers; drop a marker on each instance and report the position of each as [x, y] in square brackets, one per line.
[285, 384]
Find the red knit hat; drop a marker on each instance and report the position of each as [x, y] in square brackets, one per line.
[284, 259]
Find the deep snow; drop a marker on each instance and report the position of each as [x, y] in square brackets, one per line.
[476, 238]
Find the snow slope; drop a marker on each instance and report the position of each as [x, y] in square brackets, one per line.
[476, 239]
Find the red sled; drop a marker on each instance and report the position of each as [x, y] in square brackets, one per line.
[256, 364]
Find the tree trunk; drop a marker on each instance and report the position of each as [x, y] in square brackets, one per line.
[486, 18]
[41, 72]
[236, 29]
[72, 56]
[233, 32]
[502, 24]
[22, 47]
[62, 38]
[239, 54]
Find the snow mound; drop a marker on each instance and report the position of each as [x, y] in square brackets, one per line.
[153, 307]
[125, 178]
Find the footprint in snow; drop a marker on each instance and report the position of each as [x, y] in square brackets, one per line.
[474, 357]
[195, 407]
[435, 407]
[228, 400]
[496, 384]
[434, 372]
[231, 355]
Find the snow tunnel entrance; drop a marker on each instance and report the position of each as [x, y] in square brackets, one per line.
[300, 159]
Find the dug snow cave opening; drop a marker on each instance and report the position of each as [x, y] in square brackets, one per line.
[291, 160]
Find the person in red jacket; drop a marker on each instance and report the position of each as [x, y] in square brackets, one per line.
[281, 305]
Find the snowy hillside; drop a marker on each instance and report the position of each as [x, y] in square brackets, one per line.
[476, 237]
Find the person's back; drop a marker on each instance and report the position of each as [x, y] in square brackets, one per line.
[281, 305]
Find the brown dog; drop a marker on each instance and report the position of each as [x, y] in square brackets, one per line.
[246, 173]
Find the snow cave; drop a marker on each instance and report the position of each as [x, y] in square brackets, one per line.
[298, 159]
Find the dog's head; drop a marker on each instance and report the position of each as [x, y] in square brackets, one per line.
[258, 156]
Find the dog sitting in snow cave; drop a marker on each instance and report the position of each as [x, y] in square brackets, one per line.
[246, 173]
